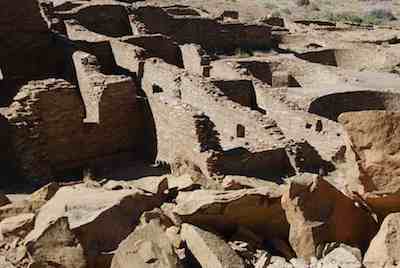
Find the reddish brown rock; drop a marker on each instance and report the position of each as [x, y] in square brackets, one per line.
[318, 213]
[259, 210]
[374, 138]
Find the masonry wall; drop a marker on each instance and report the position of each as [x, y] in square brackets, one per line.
[185, 135]
[331, 106]
[158, 45]
[50, 137]
[106, 19]
[194, 58]
[161, 76]
[240, 91]
[92, 43]
[128, 56]
[260, 152]
[209, 33]
[24, 37]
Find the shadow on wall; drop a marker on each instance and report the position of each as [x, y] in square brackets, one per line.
[109, 20]
[150, 137]
[325, 57]
[7, 159]
[272, 165]
[240, 91]
[331, 106]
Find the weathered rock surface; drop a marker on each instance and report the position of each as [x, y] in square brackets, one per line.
[147, 246]
[5, 264]
[342, 256]
[374, 137]
[92, 212]
[384, 250]
[210, 250]
[278, 262]
[44, 194]
[259, 210]
[18, 225]
[319, 213]
[56, 246]
[16, 208]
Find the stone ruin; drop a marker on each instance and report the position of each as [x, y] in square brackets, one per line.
[248, 131]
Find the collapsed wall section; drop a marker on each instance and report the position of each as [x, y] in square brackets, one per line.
[30, 119]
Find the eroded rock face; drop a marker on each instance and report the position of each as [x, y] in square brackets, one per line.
[342, 256]
[148, 246]
[210, 250]
[100, 219]
[18, 225]
[319, 213]
[44, 194]
[374, 137]
[57, 246]
[384, 250]
[258, 209]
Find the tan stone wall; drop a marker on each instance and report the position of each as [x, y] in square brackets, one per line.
[207, 32]
[50, 138]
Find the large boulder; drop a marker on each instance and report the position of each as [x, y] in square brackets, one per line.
[149, 246]
[374, 138]
[17, 226]
[44, 194]
[341, 256]
[384, 250]
[318, 213]
[258, 210]
[100, 219]
[56, 246]
[210, 250]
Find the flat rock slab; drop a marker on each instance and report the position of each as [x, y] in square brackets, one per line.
[210, 250]
[259, 210]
